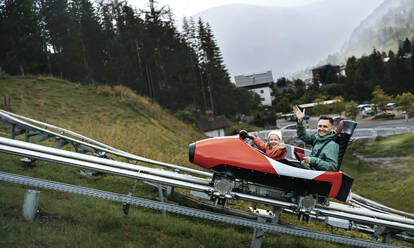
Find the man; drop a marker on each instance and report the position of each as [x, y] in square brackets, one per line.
[324, 155]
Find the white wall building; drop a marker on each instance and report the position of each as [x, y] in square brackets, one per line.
[260, 83]
[214, 126]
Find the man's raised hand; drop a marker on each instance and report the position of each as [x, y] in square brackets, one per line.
[299, 114]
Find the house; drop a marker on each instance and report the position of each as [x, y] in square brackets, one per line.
[214, 126]
[321, 74]
[261, 83]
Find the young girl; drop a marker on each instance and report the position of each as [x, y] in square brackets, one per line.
[274, 148]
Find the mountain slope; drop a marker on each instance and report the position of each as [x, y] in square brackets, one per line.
[255, 38]
[390, 22]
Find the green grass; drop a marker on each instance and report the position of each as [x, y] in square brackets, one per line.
[117, 117]
[391, 146]
[387, 182]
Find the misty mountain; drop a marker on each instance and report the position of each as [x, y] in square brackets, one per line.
[255, 38]
[392, 21]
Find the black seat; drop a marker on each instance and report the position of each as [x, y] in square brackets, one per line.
[344, 133]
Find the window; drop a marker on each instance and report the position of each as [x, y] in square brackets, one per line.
[261, 91]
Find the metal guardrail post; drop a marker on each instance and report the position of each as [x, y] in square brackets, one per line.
[126, 206]
[258, 234]
[170, 189]
[161, 195]
[30, 204]
[276, 211]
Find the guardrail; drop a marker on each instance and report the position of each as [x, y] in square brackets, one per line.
[359, 133]
[175, 179]
[173, 208]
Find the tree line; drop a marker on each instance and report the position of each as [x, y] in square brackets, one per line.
[109, 42]
[390, 74]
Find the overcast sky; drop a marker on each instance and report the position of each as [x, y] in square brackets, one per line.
[182, 8]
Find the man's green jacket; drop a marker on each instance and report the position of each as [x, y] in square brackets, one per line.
[327, 160]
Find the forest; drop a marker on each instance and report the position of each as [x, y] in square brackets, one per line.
[392, 73]
[111, 43]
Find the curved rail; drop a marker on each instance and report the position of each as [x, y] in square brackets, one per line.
[366, 211]
[397, 223]
[102, 149]
[102, 161]
[379, 206]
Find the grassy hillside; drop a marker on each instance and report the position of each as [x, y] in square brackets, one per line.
[118, 117]
[385, 172]
[114, 116]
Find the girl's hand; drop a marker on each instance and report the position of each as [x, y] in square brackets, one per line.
[282, 145]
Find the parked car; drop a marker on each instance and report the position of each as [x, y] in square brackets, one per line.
[410, 114]
[385, 114]
[368, 112]
[390, 105]
[289, 127]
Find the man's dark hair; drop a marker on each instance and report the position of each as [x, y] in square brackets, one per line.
[323, 117]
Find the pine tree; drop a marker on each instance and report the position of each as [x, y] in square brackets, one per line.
[23, 48]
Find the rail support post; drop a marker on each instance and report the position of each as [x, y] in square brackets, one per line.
[126, 206]
[258, 234]
[30, 204]
[276, 212]
[378, 230]
[170, 189]
[161, 195]
[169, 192]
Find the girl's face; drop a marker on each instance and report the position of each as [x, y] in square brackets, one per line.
[273, 140]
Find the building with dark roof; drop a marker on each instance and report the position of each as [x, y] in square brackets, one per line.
[214, 126]
[261, 83]
[321, 74]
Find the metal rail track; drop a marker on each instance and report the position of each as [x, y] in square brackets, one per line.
[13, 119]
[96, 160]
[172, 208]
[373, 219]
[362, 209]
[94, 149]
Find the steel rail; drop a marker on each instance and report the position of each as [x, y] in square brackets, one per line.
[197, 187]
[104, 168]
[366, 212]
[138, 175]
[365, 219]
[102, 161]
[378, 205]
[177, 183]
[173, 208]
[362, 205]
[120, 154]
